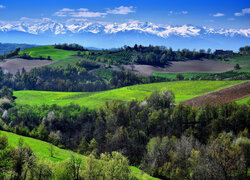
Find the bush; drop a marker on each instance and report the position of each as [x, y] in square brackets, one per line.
[179, 77]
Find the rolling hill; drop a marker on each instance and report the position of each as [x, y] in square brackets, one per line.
[183, 90]
[45, 51]
[41, 150]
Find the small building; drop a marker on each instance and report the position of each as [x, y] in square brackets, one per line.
[222, 52]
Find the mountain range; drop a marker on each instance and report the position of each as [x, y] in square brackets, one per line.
[109, 35]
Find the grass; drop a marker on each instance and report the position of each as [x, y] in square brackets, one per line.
[173, 75]
[41, 150]
[182, 89]
[45, 51]
[67, 61]
[243, 61]
[244, 100]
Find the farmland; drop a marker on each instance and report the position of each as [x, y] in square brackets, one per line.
[13, 65]
[232, 93]
[183, 90]
[191, 66]
[41, 150]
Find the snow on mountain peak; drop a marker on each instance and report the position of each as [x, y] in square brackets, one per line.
[46, 25]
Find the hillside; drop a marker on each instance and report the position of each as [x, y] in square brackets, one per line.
[7, 47]
[183, 90]
[41, 150]
[45, 51]
[232, 93]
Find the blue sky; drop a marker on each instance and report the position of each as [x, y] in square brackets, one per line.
[212, 13]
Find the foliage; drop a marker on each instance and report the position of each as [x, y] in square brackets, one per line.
[71, 47]
[152, 55]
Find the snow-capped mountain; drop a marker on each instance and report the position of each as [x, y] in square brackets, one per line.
[164, 31]
[100, 34]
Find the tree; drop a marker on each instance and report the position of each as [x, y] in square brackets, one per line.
[92, 168]
[23, 160]
[115, 166]
[42, 132]
[83, 147]
[51, 150]
[44, 169]
[5, 156]
[225, 158]
[179, 77]
[237, 67]
[161, 99]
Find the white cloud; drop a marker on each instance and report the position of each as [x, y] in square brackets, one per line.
[184, 12]
[2, 6]
[67, 10]
[121, 10]
[79, 13]
[32, 20]
[243, 12]
[87, 14]
[83, 9]
[219, 15]
[181, 12]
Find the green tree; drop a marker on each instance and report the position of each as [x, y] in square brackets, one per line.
[179, 77]
[116, 166]
[237, 66]
[5, 156]
[42, 132]
[83, 147]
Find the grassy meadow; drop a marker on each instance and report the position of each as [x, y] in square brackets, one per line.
[41, 150]
[183, 90]
[243, 61]
[45, 51]
[185, 75]
[244, 100]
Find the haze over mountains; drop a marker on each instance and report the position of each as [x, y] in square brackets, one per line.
[109, 35]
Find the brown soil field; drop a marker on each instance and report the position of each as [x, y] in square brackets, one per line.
[192, 66]
[232, 93]
[13, 65]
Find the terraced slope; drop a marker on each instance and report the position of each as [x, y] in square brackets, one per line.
[183, 90]
[41, 149]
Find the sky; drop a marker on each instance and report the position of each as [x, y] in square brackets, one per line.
[212, 13]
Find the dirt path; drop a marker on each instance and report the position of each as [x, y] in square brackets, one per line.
[232, 93]
[13, 65]
[192, 66]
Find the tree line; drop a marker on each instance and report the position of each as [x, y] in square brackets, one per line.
[71, 47]
[151, 55]
[77, 78]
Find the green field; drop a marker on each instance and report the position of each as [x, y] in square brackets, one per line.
[182, 89]
[67, 61]
[173, 75]
[244, 100]
[41, 150]
[45, 51]
[243, 61]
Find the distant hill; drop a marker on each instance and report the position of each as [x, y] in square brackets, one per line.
[7, 47]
